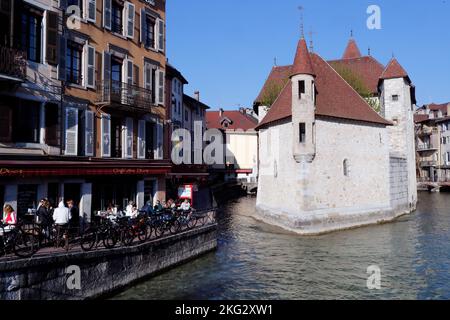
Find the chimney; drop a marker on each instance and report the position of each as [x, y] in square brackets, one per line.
[197, 95]
[221, 112]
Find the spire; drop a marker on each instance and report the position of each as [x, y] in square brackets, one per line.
[302, 61]
[394, 70]
[352, 50]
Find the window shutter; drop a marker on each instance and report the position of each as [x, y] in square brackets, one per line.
[52, 37]
[143, 26]
[107, 14]
[71, 132]
[62, 58]
[141, 139]
[128, 139]
[90, 67]
[136, 80]
[161, 87]
[89, 134]
[148, 76]
[106, 135]
[159, 140]
[91, 10]
[129, 71]
[52, 124]
[160, 40]
[130, 11]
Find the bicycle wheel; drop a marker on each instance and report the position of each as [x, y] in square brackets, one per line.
[142, 233]
[110, 239]
[175, 227]
[25, 245]
[88, 240]
[127, 236]
[192, 222]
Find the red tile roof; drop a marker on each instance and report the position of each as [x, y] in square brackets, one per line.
[335, 98]
[367, 68]
[238, 120]
[438, 107]
[394, 70]
[352, 50]
[420, 118]
[278, 76]
[302, 61]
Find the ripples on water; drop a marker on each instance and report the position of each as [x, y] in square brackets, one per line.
[256, 261]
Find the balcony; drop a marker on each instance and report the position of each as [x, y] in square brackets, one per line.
[426, 147]
[425, 131]
[425, 164]
[124, 96]
[13, 64]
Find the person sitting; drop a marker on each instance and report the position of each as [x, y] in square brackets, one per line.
[148, 208]
[9, 218]
[129, 209]
[186, 205]
[133, 212]
[158, 206]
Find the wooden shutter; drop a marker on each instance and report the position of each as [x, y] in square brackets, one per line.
[5, 123]
[91, 12]
[107, 14]
[52, 38]
[62, 49]
[136, 73]
[143, 26]
[148, 76]
[51, 124]
[160, 34]
[71, 132]
[141, 147]
[106, 135]
[159, 140]
[89, 133]
[161, 78]
[128, 139]
[90, 67]
[106, 66]
[129, 18]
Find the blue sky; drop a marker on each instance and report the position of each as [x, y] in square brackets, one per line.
[226, 48]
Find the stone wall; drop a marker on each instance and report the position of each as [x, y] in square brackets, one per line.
[398, 176]
[102, 272]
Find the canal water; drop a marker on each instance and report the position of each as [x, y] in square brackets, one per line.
[256, 261]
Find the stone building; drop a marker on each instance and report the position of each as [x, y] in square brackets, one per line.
[328, 161]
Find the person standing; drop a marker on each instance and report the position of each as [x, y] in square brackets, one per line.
[74, 222]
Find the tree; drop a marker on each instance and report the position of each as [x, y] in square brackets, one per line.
[272, 91]
[358, 84]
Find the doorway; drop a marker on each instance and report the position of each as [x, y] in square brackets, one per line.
[72, 191]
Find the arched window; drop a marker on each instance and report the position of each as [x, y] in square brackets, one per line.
[346, 168]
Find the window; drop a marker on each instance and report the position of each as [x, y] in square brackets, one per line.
[116, 13]
[395, 97]
[73, 62]
[301, 88]
[346, 168]
[51, 124]
[30, 32]
[116, 74]
[26, 122]
[149, 32]
[302, 132]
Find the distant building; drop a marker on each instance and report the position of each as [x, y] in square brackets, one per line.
[241, 138]
[433, 142]
[328, 160]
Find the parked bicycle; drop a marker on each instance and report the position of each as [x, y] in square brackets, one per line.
[21, 240]
[103, 233]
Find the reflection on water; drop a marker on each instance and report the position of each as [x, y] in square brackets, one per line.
[256, 261]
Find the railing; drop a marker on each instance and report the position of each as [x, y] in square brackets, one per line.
[13, 62]
[425, 147]
[428, 163]
[119, 93]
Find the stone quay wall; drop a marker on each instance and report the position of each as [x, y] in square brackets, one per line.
[101, 272]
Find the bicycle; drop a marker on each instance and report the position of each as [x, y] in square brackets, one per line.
[96, 234]
[24, 243]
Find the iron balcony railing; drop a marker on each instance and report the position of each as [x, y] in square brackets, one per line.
[13, 62]
[118, 93]
[426, 147]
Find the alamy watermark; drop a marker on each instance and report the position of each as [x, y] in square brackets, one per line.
[73, 281]
[374, 19]
[374, 280]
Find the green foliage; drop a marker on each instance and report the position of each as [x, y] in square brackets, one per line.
[272, 91]
[358, 84]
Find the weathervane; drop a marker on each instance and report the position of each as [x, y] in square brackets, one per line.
[302, 30]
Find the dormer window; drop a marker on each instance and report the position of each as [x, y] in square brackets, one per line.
[301, 88]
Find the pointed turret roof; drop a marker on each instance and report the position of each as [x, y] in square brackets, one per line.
[352, 50]
[302, 61]
[394, 70]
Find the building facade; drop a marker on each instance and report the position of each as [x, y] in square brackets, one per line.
[240, 139]
[92, 79]
[328, 160]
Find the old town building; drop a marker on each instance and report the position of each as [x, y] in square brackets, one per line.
[82, 87]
